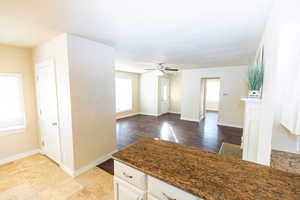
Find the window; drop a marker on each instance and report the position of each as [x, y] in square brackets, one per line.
[123, 95]
[12, 116]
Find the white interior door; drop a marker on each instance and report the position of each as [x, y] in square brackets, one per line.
[164, 95]
[202, 98]
[48, 110]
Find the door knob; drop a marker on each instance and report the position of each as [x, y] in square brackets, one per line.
[54, 124]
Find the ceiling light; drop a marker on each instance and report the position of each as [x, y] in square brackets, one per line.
[159, 73]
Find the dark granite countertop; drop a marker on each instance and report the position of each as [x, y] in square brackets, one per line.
[209, 175]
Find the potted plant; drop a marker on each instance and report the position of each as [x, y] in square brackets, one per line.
[256, 76]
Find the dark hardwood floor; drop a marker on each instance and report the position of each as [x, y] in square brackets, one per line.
[206, 135]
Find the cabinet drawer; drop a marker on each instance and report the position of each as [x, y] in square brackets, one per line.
[164, 191]
[130, 175]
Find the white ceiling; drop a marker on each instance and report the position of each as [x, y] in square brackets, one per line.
[183, 33]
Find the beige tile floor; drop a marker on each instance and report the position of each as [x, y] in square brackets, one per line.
[38, 178]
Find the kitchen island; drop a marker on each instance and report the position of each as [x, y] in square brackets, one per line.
[154, 169]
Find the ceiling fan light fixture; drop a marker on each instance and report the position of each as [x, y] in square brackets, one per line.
[159, 73]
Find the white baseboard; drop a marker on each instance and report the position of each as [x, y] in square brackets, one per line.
[211, 110]
[150, 114]
[69, 171]
[141, 113]
[173, 112]
[129, 115]
[230, 125]
[189, 119]
[19, 156]
[93, 164]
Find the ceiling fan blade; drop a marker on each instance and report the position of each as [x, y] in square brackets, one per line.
[171, 69]
[151, 69]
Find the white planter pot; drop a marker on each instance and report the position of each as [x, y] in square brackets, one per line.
[254, 93]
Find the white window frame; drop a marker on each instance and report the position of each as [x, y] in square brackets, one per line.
[131, 108]
[16, 129]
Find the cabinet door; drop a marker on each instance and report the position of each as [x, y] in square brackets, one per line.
[126, 191]
[165, 191]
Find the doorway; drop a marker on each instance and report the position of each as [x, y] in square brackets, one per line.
[210, 97]
[48, 113]
[164, 95]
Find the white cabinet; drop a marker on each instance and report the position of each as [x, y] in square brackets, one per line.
[132, 184]
[126, 191]
[130, 175]
[252, 123]
[164, 191]
[129, 183]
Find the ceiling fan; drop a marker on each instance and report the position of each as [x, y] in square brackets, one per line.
[162, 69]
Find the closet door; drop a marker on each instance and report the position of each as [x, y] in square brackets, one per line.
[48, 110]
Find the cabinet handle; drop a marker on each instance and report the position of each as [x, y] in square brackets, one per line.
[169, 198]
[126, 175]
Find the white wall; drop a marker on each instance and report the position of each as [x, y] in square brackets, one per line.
[92, 86]
[233, 88]
[19, 60]
[85, 83]
[135, 78]
[149, 93]
[285, 18]
[175, 92]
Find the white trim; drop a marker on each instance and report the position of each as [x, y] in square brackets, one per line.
[173, 112]
[230, 125]
[19, 156]
[150, 114]
[123, 111]
[67, 169]
[13, 130]
[252, 100]
[128, 115]
[212, 110]
[77, 172]
[94, 163]
[189, 119]
[201, 118]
